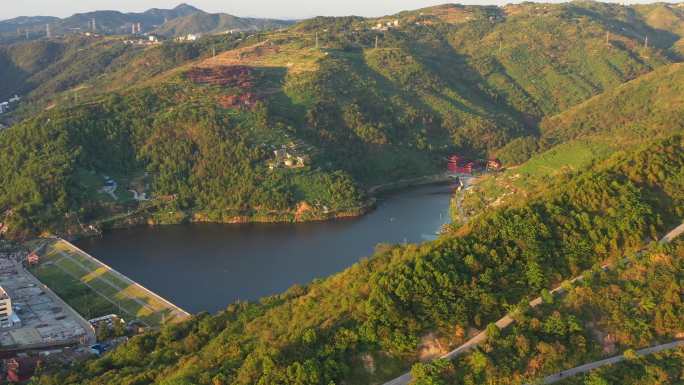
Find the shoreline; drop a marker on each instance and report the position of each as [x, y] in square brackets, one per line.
[373, 193]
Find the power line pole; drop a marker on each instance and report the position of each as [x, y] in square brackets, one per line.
[376, 41]
[607, 37]
[316, 40]
[646, 42]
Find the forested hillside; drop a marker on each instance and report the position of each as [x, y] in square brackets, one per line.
[637, 111]
[656, 369]
[200, 156]
[636, 305]
[646, 107]
[71, 71]
[359, 105]
[366, 324]
[296, 124]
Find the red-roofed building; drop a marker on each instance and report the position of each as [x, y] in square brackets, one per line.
[32, 259]
[459, 165]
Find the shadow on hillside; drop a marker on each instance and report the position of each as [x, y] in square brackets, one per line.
[658, 38]
[500, 121]
[12, 78]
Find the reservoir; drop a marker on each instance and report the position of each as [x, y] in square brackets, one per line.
[205, 267]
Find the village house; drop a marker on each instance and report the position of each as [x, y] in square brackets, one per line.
[5, 106]
[151, 40]
[189, 37]
[460, 165]
[32, 259]
[7, 316]
[386, 25]
[288, 159]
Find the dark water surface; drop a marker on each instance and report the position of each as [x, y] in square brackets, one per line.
[205, 267]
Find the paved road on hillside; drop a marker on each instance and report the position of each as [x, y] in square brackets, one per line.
[506, 320]
[608, 361]
[669, 237]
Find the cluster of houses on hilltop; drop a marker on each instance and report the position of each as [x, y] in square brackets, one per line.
[6, 106]
[148, 40]
[289, 156]
[285, 158]
[386, 25]
[188, 37]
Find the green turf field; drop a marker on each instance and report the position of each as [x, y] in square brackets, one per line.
[93, 289]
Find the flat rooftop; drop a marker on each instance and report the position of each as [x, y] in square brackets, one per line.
[44, 321]
[3, 293]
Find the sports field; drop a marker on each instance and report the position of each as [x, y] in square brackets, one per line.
[94, 289]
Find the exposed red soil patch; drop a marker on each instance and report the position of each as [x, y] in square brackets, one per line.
[233, 76]
[246, 100]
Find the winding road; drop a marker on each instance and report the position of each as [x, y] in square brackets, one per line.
[608, 361]
[507, 320]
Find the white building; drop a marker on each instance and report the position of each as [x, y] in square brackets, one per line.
[189, 37]
[4, 106]
[7, 316]
[15, 99]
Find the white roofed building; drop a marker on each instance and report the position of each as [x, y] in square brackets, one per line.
[7, 316]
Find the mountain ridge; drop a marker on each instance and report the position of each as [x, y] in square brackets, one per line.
[112, 21]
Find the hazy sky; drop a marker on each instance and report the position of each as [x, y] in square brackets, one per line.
[260, 8]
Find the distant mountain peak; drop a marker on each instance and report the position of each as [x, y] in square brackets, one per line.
[185, 7]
